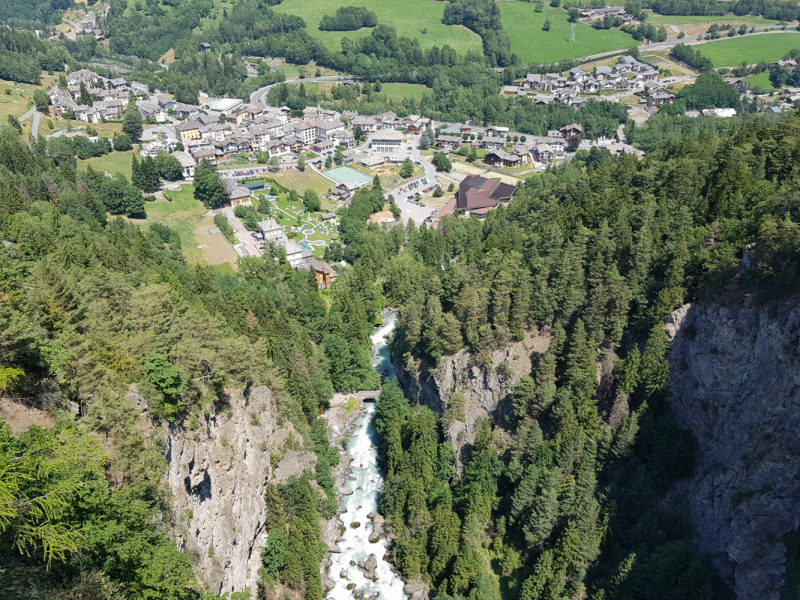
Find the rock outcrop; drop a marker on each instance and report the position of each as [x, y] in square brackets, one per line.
[736, 386]
[219, 467]
[485, 390]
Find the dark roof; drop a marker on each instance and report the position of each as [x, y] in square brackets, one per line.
[478, 192]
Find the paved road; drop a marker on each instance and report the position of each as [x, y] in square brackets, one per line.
[29, 113]
[37, 118]
[259, 97]
[241, 233]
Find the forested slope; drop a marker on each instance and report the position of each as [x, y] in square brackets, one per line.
[89, 306]
[569, 496]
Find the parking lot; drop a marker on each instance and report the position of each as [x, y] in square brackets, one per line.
[406, 200]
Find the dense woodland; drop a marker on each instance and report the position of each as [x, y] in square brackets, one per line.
[554, 500]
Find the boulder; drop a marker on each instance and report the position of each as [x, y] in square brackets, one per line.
[374, 538]
[346, 491]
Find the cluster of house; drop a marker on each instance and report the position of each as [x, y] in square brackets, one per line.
[477, 196]
[88, 25]
[255, 130]
[299, 257]
[629, 74]
[494, 140]
[590, 15]
[110, 96]
[388, 120]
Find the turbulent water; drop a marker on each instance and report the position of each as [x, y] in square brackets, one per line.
[367, 488]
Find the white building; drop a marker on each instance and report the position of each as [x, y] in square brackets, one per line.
[305, 132]
[386, 141]
[187, 162]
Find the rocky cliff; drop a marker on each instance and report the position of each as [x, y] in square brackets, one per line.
[736, 386]
[219, 466]
[485, 386]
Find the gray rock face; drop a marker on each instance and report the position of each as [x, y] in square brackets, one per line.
[485, 391]
[417, 591]
[218, 474]
[736, 386]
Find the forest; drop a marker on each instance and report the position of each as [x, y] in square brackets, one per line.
[349, 18]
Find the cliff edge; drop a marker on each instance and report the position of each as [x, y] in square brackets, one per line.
[735, 366]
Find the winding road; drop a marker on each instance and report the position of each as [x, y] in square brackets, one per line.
[259, 97]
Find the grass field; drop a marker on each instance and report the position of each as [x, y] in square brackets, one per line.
[187, 216]
[113, 163]
[761, 80]
[409, 18]
[398, 91]
[524, 28]
[749, 49]
[689, 19]
[302, 181]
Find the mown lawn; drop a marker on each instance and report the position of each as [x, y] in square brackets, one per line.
[761, 80]
[730, 52]
[113, 163]
[302, 181]
[409, 18]
[524, 28]
[187, 216]
[398, 91]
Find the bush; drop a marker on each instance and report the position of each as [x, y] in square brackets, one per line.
[222, 224]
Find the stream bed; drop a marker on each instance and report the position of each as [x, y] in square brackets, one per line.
[367, 487]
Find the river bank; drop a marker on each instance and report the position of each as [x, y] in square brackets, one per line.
[356, 565]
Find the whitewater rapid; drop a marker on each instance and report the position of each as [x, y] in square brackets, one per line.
[367, 488]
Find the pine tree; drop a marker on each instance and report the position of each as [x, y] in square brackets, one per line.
[136, 173]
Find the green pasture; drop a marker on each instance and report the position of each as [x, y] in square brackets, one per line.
[524, 28]
[730, 52]
[409, 18]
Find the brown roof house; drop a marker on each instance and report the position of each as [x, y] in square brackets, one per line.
[478, 195]
[324, 273]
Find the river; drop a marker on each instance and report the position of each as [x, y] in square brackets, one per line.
[367, 489]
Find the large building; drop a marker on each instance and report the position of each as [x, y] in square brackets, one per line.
[478, 195]
[386, 141]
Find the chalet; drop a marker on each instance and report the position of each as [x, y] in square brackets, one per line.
[323, 272]
[205, 47]
[294, 143]
[110, 110]
[496, 131]
[278, 148]
[478, 195]
[328, 216]
[501, 157]
[216, 132]
[294, 254]
[449, 142]
[419, 124]
[88, 114]
[139, 90]
[577, 74]
[493, 143]
[570, 132]
[660, 98]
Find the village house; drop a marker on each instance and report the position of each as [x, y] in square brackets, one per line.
[323, 272]
[165, 102]
[260, 138]
[237, 195]
[184, 111]
[83, 76]
[323, 130]
[187, 162]
[203, 152]
[449, 142]
[343, 138]
[367, 124]
[417, 124]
